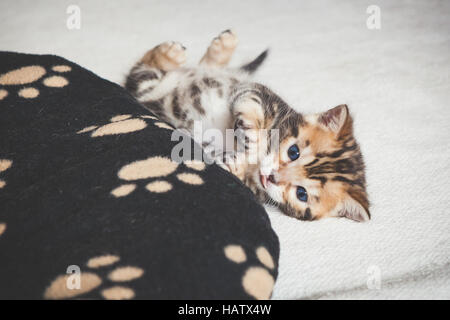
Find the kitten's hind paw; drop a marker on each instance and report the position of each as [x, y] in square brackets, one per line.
[167, 56]
[173, 51]
[221, 49]
[226, 40]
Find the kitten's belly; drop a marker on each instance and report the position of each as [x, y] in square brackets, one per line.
[214, 130]
[214, 123]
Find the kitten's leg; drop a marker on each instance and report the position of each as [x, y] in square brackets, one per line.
[220, 51]
[149, 71]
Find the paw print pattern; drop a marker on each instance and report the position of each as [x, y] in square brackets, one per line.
[156, 168]
[26, 76]
[5, 164]
[2, 228]
[257, 281]
[89, 281]
[121, 124]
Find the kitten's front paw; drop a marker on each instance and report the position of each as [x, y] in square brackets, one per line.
[247, 134]
[249, 120]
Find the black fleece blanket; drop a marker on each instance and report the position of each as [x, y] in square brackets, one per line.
[93, 207]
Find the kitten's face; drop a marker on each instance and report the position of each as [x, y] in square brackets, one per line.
[318, 171]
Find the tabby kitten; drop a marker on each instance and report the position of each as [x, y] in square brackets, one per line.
[317, 170]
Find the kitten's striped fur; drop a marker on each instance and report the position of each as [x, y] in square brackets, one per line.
[330, 166]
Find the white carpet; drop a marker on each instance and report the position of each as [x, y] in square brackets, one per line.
[396, 82]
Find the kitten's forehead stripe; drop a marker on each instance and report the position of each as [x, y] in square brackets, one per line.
[322, 179]
[339, 153]
[312, 162]
[358, 181]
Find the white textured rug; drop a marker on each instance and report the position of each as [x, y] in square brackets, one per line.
[395, 81]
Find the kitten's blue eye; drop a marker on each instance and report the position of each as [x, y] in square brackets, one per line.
[293, 152]
[302, 195]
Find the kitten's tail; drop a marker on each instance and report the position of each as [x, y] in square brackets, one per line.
[252, 66]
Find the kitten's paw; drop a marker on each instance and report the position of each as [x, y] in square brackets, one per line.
[247, 134]
[175, 52]
[225, 41]
[167, 56]
[249, 120]
[221, 49]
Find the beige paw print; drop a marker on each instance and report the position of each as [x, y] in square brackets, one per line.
[257, 281]
[26, 76]
[2, 228]
[5, 164]
[156, 168]
[89, 281]
[121, 124]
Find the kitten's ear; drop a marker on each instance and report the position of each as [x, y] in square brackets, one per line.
[337, 120]
[354, 210]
